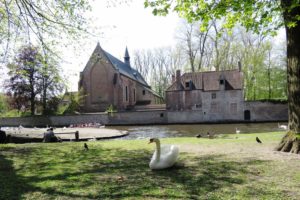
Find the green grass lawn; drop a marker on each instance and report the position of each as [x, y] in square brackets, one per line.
[220, 168]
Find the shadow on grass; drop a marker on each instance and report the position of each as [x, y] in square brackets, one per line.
[11, 185]
[115, 173]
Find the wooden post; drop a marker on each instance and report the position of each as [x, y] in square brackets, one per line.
[77, 136]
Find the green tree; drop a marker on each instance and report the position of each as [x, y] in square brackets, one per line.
[51, 83]
[24, 76]
[31, 78]
[260, 16]
[74, 102]
[45, 22]
[3, 104]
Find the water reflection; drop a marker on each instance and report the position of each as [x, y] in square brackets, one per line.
[191, 130]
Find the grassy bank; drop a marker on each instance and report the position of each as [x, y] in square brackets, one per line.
[220, 168]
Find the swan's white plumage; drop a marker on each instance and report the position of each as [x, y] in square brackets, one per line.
[167, 158]
[284, 127]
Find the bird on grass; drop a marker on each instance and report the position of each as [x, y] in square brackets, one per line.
[165, 156]
[237, 131]
[258, 140]
[281, 126]
[210, 135]
[86, 146]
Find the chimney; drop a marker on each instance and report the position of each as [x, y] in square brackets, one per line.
[240, 66]
[173, 78]
[178, 75]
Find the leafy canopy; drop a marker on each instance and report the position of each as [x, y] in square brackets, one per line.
[32, 77]
[43, 23]
[259, 16]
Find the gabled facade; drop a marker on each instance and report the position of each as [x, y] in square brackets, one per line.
[216, 94]
[107, 81]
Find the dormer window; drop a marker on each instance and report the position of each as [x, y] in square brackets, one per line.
[187, 84]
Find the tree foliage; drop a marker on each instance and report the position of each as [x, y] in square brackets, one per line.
[258, 16]
[45, 23]
[3, 104]
[261, 16]
[262, 60]
[32, 79]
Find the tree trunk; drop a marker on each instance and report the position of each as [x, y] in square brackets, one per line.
[32, 105]
[291, 142]
[44, 96]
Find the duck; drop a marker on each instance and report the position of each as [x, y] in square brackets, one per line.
[164, 157]
[284, 127]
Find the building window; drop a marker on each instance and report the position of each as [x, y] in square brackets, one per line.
[233, 108]
[126, 93]
[221, 82]
[187, 84]
[144, 92]
[134, 95]
[198, 105]
[214, 107]
[213, 95]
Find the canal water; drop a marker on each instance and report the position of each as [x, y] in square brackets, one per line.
[191, 130]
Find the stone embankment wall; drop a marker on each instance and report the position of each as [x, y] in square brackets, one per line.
[42, 121]
[259, 112]
[267, 111]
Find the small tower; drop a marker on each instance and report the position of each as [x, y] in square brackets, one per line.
[127, 57]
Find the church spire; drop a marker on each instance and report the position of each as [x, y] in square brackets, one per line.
[127, 57]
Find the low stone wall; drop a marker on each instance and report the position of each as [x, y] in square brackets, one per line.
[267, 111]
[140, 117]
[42, 121]
[259, 112]
[25, 121]
[101, 118]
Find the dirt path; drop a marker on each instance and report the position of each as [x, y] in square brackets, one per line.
[253, 150]
[84, 133]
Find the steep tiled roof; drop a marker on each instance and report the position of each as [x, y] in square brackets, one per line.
[125, 69]
[210, 81]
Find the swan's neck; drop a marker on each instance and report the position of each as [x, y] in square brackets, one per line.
[157, 150]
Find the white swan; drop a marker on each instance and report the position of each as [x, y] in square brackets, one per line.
[284, 127]
[237, 131]
[165, 156]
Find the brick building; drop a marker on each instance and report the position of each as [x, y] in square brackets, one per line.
[216, 94]
[107, 81]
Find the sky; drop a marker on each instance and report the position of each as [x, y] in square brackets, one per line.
[122, 25]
